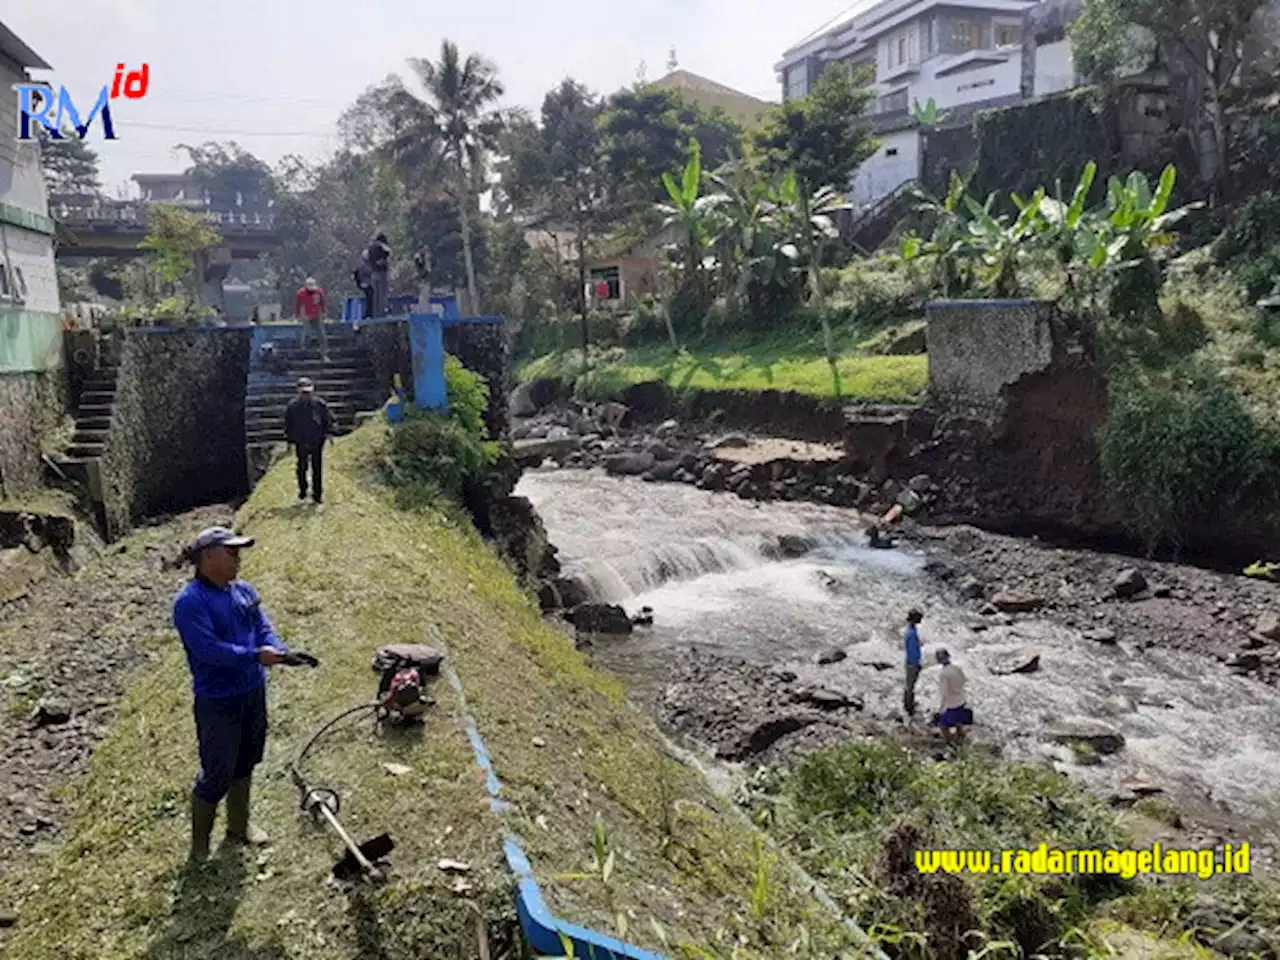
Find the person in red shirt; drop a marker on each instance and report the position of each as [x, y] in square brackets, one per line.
[309, 306]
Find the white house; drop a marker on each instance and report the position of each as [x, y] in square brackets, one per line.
[30, 322]
[964, 55]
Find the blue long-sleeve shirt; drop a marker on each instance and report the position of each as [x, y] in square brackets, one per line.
[222, 631]
[911, 642]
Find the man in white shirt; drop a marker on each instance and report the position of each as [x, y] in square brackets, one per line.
[953, 714]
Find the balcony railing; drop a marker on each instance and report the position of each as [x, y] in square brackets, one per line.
[128, 214]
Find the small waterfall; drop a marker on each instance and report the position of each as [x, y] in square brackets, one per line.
[622, 577]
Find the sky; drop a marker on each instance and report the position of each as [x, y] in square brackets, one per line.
[274, 75]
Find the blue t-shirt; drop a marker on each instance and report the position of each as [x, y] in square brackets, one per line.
[221, 631]
[912, 641]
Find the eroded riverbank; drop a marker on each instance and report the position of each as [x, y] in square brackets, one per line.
[1148, 668]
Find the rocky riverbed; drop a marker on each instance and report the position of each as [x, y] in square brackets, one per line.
[777, 629]
[66, 651]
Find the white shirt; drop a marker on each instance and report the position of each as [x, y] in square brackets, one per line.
[951, 686]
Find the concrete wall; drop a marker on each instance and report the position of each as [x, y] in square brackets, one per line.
[1054, 68]
[895, 162]
[388, 346]
[177, 430]
[979, 348]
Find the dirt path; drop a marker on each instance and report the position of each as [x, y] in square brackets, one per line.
[66, 652]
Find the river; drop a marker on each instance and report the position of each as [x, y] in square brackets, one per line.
[1209, 738]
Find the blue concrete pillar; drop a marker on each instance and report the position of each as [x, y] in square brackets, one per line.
[426, 339]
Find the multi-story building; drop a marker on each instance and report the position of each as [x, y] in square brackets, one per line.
[30, 318]
[963, 54]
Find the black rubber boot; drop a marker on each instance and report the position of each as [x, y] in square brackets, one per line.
[203, 813]
[239, 829]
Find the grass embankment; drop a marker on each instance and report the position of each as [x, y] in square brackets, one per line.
[339, 582]
[789, 361]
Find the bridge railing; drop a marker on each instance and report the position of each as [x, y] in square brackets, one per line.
[136, 213]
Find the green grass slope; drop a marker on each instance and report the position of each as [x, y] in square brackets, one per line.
[340, 581]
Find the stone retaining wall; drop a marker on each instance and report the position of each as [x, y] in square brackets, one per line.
[31, 404]
[177, 429]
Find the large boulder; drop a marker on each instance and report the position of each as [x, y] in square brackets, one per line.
[1093, 733]
[532, 452]
[630, 464]
[600, 618]
[1268, 626]
[664, 471]
[522, 402]
[1129, 583]
[1016, 601]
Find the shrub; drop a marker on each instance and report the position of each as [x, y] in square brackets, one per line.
[468, 394]
[430, 455]
[1180, 451]
[1250, 246]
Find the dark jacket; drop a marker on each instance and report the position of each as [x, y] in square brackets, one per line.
[307, 422]
[379, 256]
[221, 631]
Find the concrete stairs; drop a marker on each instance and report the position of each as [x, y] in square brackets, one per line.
[346, 383]
[80, 462]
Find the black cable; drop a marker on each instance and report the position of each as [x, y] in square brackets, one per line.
[294, 771]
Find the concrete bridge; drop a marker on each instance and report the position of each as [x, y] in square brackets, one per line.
[116, 229]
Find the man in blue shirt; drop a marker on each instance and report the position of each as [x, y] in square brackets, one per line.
[229, 644]
[911, 643]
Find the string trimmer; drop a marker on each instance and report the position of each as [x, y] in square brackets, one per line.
[402, 671]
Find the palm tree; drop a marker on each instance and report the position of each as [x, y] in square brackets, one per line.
[454, 126]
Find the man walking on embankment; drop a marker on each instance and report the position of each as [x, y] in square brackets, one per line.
[308, 422]
[229, 643]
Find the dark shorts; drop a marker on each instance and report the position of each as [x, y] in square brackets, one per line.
[232, 733]
[955, 717]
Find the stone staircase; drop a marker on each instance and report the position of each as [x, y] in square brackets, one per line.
[346, 383]
[81, 461]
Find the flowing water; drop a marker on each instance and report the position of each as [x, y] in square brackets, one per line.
[700, 561]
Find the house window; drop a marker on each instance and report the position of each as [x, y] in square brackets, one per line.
[891, 152]
[797, 81]
[902, 50]
[928, 38]
[6, 292]
[966, 35]
[1008, 35]
[611, 277]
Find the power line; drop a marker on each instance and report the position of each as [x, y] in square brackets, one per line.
[174, 128]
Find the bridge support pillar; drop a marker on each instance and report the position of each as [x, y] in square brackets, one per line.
[212, 266]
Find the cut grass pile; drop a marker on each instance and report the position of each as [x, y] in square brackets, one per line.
[856, 813]
[790, 362]
[340, 581]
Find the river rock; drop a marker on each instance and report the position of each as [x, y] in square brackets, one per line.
[790, 545]
[831, 656]
[764, 735]
[629, 464]
[51, 713]
[533, 451]
[600, 618]
[1026, 660]
[663, 471]
[667, 427]
[713, 478]
[1016, 601]
[521, 403]
[825, 699]
[1245, 662]
[1129, 583]
[734, 441]
[921, 483]
[660, 451]
[971, 588]
[910, 501]
[690, 463]
[1268, 626]
[1104, 635]
[1101, 737]
[570, 592]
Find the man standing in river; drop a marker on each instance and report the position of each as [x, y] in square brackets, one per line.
[911, 647]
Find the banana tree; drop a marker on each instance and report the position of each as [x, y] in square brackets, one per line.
[692, 216]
